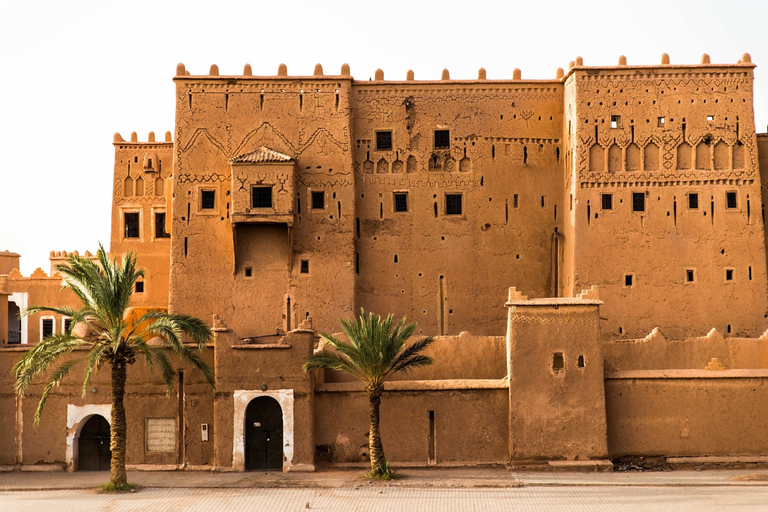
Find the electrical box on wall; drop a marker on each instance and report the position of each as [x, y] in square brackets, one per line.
[204, 431]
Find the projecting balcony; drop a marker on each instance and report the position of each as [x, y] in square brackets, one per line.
[263, 188]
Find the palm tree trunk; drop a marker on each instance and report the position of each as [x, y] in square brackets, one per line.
[118, 427]
[375, 449]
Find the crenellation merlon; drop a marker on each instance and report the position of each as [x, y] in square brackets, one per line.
[118, 140]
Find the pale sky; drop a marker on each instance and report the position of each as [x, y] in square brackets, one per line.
[73, 73]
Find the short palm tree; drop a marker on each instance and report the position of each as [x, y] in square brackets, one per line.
[376, 350]
[112, 337]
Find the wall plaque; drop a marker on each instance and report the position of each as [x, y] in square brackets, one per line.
[161, 434]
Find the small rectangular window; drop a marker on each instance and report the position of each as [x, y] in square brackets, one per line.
[661, 122]
[710, 118]
[638, 201]
[261, 197]
[607, 201]
[160, 231]
[558, 362]
[442, 139]
[318, 200]
[248, 271]
[729, 274]
[139, 285]
[693, 201]
[384, 141]
[628, 280]
[615, 121]
[207, 199]
[515, 201]
[131, 221]
[453, 204]
[67, 324]
[304, 267]
[46, 328]
[401, 201]
[730, 200]
[690, 275]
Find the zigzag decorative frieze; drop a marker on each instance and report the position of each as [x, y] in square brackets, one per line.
[550, 320]
[660, 183]
[447, 179]
[202, 178]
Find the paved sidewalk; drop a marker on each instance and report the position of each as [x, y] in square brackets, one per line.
[411, 478]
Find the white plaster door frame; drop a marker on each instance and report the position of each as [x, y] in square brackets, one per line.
[242, 398]
[76, 417]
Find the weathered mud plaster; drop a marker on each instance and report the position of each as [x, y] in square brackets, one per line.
[242, 398]
[77, 416]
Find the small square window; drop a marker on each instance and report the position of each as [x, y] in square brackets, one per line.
[628, 280]
[615, 121]
[607, 201]
[661, 122]
[131, 221]
[442, 139]
[261, 197]
[207, 199]
[690, 275]
[47, 328]
[730, 200]
[384, 141]
[729, 274]
[248, 271]
[638, 201]
[453, 204]
[710, 118]
[693, 201]
[304, 267]
[139, 286]
[401, 201]
[318, 200]
[558, 362]
[160, 231]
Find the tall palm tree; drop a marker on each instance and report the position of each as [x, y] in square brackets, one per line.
[375, 351]
[113, 337]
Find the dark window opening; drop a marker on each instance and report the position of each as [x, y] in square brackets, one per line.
[401, 201]
[729, 274]
[615, 121]
[730, 200]
[304, 267]
[47, 327]
[515, 202]
[160, 231]
[139, 286]
[690, 275]
[248, 272]
[131, 221]
[318, 200]
[207, 199]
[607, 201]
[693, 201]
[558, 362]
[384, 141]
[261, 197]
[67, 325]
[638, 201]
[453, 204]
[628, 278]
[442, 139]
[581, 363]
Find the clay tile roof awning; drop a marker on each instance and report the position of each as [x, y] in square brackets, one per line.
[262, 154]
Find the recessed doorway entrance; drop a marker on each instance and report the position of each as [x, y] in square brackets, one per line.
[263, 435]
[93, 445]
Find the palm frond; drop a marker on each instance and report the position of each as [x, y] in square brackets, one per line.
[37, 360]
[95, 358]
[54, 381]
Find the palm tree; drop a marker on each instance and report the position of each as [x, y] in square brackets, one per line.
[113, 338]
[375, 351]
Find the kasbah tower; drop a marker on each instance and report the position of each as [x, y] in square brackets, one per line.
[623, 204]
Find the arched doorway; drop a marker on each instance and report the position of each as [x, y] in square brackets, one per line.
[93, 453]
[263, 435]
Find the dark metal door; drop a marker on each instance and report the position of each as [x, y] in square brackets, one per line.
[264, 435]
[93, 451]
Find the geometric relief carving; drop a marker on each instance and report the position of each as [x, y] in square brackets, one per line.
[159, 187]
[684, 156]
[614, 158]
[596, 158]
[738, 155]
[411, 164]
[382, 167]
[651, 160]
[633, 157]
[450, 165]
[397, 166]
[139, 186]
[368, 167]
[464, 165]
[703, 161]
[722, 156]
[435, 164]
